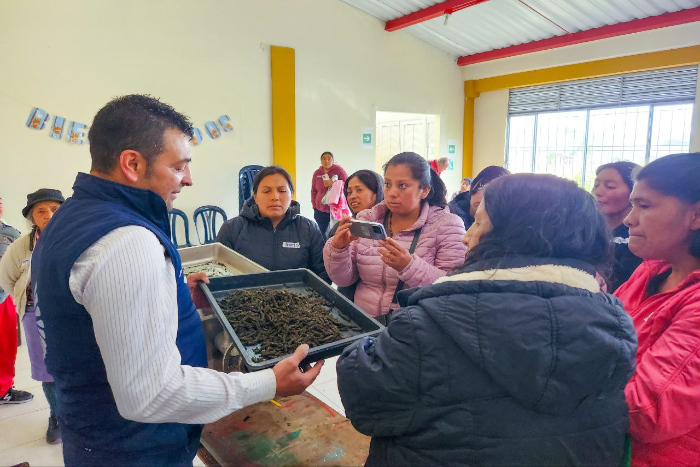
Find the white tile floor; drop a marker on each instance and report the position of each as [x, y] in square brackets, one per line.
[325, 388]
[23, 426]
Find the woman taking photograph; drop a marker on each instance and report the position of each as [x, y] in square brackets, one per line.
[611, 189]
[270, 230]
[321, 181]
[414, 214]
[15, 276]
[663, 298]
[514, 359]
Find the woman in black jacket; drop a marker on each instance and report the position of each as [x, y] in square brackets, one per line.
[465, 204]
[516, 358]
[612, 188]
[270, 230]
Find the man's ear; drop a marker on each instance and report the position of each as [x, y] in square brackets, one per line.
[132, 165]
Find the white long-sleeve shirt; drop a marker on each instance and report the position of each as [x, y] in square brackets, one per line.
[128, 287]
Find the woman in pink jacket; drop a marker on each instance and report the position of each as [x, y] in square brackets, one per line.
[321, 181]
[414, 205]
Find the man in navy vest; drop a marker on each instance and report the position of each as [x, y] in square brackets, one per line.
[123, 339]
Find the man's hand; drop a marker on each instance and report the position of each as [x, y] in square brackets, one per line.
[290, 379]
[195, 277]
[198, 297]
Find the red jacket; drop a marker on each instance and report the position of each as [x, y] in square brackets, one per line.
[664, 393]
[434, 166]
[318, 189]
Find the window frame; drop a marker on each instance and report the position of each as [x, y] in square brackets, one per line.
[650, 123]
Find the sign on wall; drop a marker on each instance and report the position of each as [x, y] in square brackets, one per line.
[76, 132]
[367, 137]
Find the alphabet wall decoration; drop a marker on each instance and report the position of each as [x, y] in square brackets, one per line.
[76, 132]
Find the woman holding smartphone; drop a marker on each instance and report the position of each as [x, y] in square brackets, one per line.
[423, 238]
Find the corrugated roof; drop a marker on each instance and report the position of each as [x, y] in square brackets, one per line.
[501, 23]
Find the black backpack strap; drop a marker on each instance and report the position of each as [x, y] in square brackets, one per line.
[411, 250]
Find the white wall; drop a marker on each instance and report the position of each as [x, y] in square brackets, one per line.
[491, 108]
[209, 58]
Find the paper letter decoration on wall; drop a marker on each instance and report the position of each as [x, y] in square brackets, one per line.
[76, 133]
[37, 118]
[57, 127]
[196, 137]
[224, 121]
[212, 130]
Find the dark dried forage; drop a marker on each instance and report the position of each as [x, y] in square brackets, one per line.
[280, 320]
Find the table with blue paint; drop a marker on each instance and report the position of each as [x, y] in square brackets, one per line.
[298, 430]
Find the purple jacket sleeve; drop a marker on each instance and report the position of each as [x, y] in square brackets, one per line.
[450, 252]
[314, 190]
[340, 264]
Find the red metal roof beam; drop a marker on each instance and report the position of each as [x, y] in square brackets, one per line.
[620, 29]
[432, 12]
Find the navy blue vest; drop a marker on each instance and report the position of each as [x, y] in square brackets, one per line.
[87, 411]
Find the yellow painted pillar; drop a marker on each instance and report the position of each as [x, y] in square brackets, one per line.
[284, 142]
[470, 95]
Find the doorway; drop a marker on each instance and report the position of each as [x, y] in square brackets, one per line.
[405, 132]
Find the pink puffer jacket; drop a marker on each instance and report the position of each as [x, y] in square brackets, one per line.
[439, 250]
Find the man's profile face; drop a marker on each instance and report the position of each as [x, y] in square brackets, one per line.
[170, 172]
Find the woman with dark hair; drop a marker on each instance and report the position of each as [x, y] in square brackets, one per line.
[363, 190]
[466, 203]
[15, 277]
[464, 186]
[270, 230]
[612, 188]
[423, 240]
[321, 181]
[663, 298]
[516, 358]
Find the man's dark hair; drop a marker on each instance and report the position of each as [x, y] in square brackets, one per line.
[271, 170]
[137, 122]
[542, 216]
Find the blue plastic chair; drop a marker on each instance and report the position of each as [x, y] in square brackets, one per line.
[246, 176]
[174, 214]
[208, 216]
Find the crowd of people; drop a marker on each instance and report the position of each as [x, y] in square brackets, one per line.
[528, 322]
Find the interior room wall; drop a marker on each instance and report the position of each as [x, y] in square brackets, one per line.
[491, 108]
[210, 58]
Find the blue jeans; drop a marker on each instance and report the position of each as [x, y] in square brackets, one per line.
[322, 219]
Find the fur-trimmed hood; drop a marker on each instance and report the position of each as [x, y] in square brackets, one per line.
[539, 327]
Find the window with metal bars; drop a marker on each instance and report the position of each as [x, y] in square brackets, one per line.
[637, 117]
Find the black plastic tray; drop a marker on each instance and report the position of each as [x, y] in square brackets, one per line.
[295, 280]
